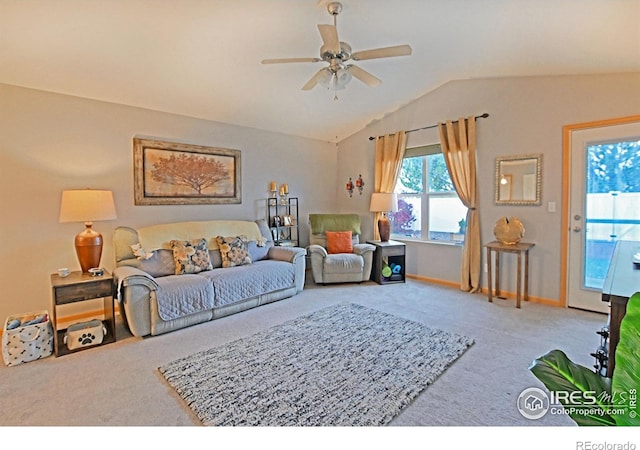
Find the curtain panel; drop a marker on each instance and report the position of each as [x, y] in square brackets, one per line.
[458, 141]
[388, 161]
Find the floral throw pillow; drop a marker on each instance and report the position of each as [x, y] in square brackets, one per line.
[234, 250]
[191, 256]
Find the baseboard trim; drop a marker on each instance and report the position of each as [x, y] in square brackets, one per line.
[505, 294]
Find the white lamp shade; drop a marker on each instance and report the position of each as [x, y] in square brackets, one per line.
[87, 205]
[383, 202]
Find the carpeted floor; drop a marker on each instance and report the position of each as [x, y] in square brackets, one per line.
[119, 384]
[345, 365]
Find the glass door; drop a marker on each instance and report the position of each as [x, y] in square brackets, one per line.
[604, 206]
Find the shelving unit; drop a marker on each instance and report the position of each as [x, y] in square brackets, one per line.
[282, 216]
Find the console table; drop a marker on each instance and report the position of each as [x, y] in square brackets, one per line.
[622, 281]
[521, 248]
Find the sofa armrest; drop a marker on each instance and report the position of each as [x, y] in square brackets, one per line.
[361, 249]
[130, 276]
[135, 290]
[315, 249]
[294, 255]
[288, 254]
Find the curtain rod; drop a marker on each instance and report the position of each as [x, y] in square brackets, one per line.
[482, 116]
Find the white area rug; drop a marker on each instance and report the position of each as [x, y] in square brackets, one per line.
[345, 365]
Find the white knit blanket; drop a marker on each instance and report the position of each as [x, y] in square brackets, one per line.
[158, 236]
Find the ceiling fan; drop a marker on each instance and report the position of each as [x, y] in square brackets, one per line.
[338, 74]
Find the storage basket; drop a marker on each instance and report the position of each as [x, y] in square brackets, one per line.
[28, 341]
[85, 334]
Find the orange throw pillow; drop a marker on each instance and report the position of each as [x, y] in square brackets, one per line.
[339, 242]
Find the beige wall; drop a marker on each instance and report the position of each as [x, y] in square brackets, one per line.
[526, 116]
[51, 142]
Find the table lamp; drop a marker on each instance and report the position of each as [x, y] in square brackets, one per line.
[384, 202]
[87, 205]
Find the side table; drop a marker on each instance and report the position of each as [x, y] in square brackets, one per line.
[79, 287]
[388, 262]
[520, 248]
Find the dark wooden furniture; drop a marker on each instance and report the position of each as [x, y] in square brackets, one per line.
[79, 287]
[521, 248]
[622, 281]
[389, 257]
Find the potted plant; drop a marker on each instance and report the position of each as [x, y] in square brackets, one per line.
[462, 225]
[589, 398]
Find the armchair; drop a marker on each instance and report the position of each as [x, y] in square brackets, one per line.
[335, 265]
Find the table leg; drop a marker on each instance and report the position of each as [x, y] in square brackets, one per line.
[497, 275]
[526, 275]
[489, 278]
[518, 279]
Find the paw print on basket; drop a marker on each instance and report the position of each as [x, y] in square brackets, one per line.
[86, 339]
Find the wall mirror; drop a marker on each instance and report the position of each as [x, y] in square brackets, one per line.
[519, 180]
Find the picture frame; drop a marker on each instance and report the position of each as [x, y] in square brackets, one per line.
[287, 221]
[172, 173]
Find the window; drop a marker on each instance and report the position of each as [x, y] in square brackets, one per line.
[428, 206]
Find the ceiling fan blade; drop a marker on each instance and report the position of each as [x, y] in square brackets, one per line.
[364, 76]
[330, 39]
[385, 52]
[290, 60]
[313, 81]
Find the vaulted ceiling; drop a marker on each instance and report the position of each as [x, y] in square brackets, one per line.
[202, 58]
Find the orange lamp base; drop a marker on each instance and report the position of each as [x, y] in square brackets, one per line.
[384, 228]
[89, 248]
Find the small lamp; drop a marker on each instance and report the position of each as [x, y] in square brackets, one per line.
[384, 202]
[87, 206]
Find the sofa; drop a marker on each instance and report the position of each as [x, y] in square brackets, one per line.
[345, 260]
[175, 275]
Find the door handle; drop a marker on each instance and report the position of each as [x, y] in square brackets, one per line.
[577, 229]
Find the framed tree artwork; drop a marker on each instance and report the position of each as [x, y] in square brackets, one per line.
[171, 173]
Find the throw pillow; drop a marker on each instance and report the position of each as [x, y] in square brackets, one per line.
[234, 251]
[191, 256]
[339, 242]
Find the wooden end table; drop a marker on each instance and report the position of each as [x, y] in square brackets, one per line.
[390, 254]
[521, 248]
[79, 287]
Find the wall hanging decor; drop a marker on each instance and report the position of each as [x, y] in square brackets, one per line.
[170, 173]
[360, 184]
[350, 187]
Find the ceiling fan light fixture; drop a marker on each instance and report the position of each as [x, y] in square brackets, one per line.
[343, 77]
[324, 77]
[337, 54]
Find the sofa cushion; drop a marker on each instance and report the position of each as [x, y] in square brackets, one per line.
[238, 283]
[191, 256]
[234, 251]
[343, 263]
[339, 242]
[181, 295]
[160, 264]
